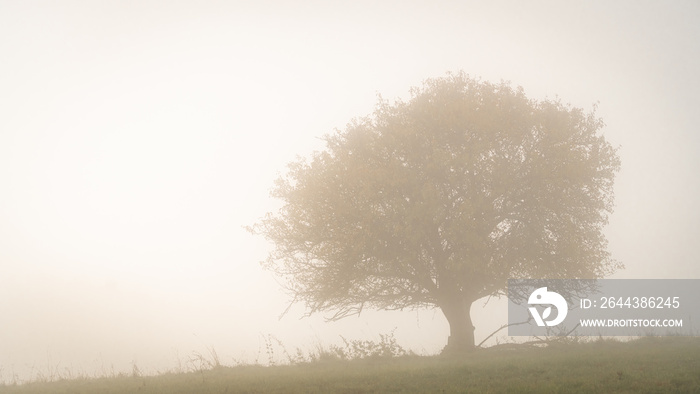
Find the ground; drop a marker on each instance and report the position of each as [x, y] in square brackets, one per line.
[646, 365]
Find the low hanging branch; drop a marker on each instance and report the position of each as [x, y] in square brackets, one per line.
[502, 327]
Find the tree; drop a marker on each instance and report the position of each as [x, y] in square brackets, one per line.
[437, 201]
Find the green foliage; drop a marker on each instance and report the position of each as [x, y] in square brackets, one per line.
[352, 349]
[361, 349]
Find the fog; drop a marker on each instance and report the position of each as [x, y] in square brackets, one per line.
[138, 138]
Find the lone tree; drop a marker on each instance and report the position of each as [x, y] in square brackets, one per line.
[438, 201]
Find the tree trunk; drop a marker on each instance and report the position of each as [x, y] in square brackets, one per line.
[461, 339]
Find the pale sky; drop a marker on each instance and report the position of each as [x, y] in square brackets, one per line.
[137, 138]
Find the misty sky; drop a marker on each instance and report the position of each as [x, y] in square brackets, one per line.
[138, 138]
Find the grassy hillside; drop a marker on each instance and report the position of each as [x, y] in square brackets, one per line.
[646, 365]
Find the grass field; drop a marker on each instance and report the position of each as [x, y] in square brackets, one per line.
[648, 365]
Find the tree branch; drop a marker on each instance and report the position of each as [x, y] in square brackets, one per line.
[502, 327]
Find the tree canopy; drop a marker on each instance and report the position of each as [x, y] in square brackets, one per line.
[437, 201]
